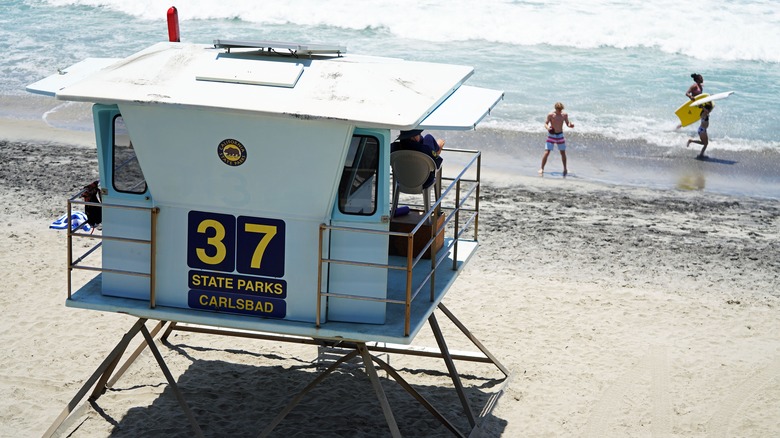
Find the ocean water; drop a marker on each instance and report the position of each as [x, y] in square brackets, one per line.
[621, 68]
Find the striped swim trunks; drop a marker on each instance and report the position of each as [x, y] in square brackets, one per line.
[556, 139]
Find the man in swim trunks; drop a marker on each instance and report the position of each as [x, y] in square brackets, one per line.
[554, 127]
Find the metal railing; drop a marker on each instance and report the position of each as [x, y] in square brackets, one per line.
[76, 264]
[454, 200]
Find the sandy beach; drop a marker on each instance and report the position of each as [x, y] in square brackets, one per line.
[620, 311]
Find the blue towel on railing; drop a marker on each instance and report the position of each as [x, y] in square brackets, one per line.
[78, 221]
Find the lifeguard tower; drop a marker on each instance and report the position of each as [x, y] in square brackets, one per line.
[246, 189]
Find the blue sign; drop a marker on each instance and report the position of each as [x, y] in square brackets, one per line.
[218, 245]
[233, 303]
[240, 284]
[260, 246]
[211, 241]
[256, 246]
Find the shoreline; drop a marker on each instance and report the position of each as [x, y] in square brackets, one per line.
[37, 131]
[619, 310]
[635, 163]
[509, 157]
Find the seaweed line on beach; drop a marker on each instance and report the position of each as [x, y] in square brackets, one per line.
[708, 242]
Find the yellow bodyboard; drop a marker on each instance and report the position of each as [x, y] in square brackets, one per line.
[689, 114]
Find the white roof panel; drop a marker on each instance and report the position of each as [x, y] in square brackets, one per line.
[365, 91]
[49, 86]
[464, 109]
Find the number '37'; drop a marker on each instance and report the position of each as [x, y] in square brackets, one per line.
[222, 242]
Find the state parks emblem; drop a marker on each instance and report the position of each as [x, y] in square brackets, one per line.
[231, 152]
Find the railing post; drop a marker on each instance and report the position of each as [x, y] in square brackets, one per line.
[70, 248]
[319, 278]
[457, 226]
[479, 184]
[408, 305]
[432, 252]
[153, 257]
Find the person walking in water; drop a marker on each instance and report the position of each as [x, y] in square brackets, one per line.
[554, 127]
[703, 140]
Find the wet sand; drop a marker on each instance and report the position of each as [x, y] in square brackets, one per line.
[597, 159]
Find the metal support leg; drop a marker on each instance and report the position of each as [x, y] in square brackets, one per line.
[380, 393]
[168, 331]
[100, 387]
[451, 369]
[115, 378]
[103, 373]
[107, 362]
[297, 399]
[417, 396]
[473, 339]
[171, 381]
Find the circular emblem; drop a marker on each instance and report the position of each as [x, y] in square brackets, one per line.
[231, 152]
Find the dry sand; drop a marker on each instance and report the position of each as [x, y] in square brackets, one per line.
[620, 312]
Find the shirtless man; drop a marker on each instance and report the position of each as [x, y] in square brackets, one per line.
[554, 127]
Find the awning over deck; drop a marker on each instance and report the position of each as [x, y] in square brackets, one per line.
[464, 109]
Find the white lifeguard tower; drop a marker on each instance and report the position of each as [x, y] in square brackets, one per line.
[246, 187]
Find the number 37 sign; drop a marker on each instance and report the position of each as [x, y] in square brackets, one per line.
[222, 242]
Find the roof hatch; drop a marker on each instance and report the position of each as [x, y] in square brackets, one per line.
[227, 68]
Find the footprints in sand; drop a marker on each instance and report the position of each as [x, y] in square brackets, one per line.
[734, 403]
[648, 382]
[563, 174]
[655, 366]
